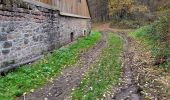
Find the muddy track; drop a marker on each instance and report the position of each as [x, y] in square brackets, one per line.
[70, 78]
[128, 89]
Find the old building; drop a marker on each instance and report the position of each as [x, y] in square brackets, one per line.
[30, 27]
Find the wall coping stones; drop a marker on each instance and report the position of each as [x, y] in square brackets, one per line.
[73, 15]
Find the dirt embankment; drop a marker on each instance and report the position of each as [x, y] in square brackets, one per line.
[154, 81]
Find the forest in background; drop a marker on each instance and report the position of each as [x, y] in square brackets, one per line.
[102, 10]
[154, 15]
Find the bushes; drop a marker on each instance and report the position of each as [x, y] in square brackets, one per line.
[157, 35]
[161, 36]
[132, 20]
[126, 24]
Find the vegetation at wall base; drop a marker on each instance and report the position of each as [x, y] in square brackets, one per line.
[104, 74]
[157, 37]
[29, 77]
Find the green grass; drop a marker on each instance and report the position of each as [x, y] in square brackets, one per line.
[29, 77]
[143, 35]
[104, 74]
[153, 41]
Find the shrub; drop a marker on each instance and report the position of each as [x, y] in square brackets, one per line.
[157, 35]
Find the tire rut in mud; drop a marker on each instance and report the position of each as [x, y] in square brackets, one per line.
[128, 88]
[70, 78]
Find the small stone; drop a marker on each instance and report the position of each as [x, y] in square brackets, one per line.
[45, 98]
[7, 44]
[3, 37]
[10, 28]
[32, 90]
[35, 39]
[26, 35]
[11, 36]
[5, 52]
[26, 41]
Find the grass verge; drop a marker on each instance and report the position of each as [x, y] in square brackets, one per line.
[29, 77]
[149, 40]
[157, 37]
[104, 74]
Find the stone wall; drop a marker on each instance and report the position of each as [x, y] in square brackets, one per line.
[26, 31]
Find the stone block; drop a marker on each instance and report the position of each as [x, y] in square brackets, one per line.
[3, 37]
[26, 41]
[5, 52]
[26, 35]
[14, 35]
[7, 44]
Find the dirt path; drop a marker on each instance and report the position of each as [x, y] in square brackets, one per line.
[133, 80]
[154, 81]
[70, 78]
[140, 79]
[128, 89]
